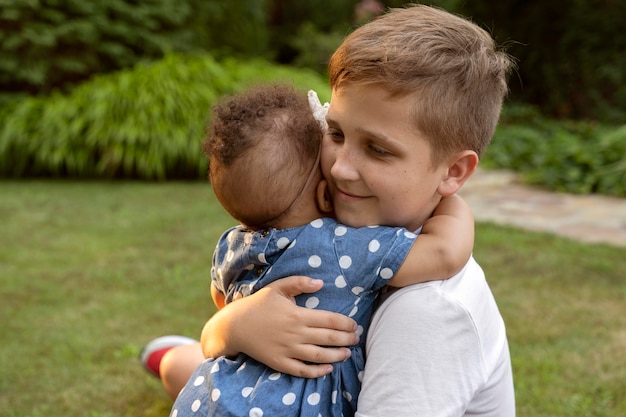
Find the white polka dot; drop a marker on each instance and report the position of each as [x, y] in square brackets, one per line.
[353, 311]
[373, 246]
[174, 413]
[375, 226]
[230, 255]
[333, 397]
[215, 394]
[289, 398]
[313, 399]
[219, 274]
[340, 231]
[282, 242]
[255, 412]
[215, 368]
[195, 406]
[248, 238]
[360, 376]
[274, 376]
[312, 302]
[198, 381]
[261, 258]
[359, 330]
[293, 243]
[315, 261]
[410, 235]
[246, 392]
[347, 395]
[357, 290]
[250, 267]
[242, 367]
[340, 282]
[386, 273]
[317, 223]
[345, 262]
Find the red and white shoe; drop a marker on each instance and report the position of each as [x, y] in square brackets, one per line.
[153, 352]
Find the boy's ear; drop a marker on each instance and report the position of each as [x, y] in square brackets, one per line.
[460, 167]
[323, 197]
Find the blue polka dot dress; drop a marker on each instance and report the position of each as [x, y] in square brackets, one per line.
[354, 264]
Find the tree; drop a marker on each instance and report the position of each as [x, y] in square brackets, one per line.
[54, 44]
[570, 53]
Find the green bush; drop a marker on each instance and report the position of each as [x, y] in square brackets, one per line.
[572, 156]
[314, 47]
[144, 123]
[51, 44]
[570, 53]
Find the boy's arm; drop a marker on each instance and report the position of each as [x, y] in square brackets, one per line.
[442, 248]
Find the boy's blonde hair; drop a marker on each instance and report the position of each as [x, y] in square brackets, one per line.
[448, 64]
[262, 145]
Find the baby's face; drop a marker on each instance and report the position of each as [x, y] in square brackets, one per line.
[377, 165]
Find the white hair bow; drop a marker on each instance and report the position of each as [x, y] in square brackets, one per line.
[319, 110]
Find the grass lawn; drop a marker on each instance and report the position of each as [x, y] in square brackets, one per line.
[89, 271]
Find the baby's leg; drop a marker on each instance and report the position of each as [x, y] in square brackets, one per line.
[177, 366]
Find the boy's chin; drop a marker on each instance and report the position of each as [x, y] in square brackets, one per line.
[354, 220]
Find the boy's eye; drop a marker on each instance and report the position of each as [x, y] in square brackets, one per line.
[378, 151]
[336, 135]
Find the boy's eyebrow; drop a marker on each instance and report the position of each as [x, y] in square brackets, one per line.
[330, 120]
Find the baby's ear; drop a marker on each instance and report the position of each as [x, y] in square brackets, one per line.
[324, 201]
[460, 167]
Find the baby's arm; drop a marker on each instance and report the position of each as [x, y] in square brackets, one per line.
[271, 328]
[442, 248]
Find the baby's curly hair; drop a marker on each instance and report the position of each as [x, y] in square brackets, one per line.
[261, 145]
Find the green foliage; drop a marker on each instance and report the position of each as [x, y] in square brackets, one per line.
[572, 156]
[145, 123]
[226, 28]
[570, 53]
[46, 43]
[49, 44]
[290, 20]
[314, 47]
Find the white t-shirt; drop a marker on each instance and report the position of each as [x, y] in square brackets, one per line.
[438, 349]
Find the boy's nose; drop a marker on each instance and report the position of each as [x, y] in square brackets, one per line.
[344, 167]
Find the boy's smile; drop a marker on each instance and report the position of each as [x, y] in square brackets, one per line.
[377, 164]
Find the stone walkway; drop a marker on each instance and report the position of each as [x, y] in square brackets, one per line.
[499, 197]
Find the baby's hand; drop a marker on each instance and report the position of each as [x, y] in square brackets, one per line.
[270, 328]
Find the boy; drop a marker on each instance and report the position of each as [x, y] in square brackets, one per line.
[421, 90]
[264, 147]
